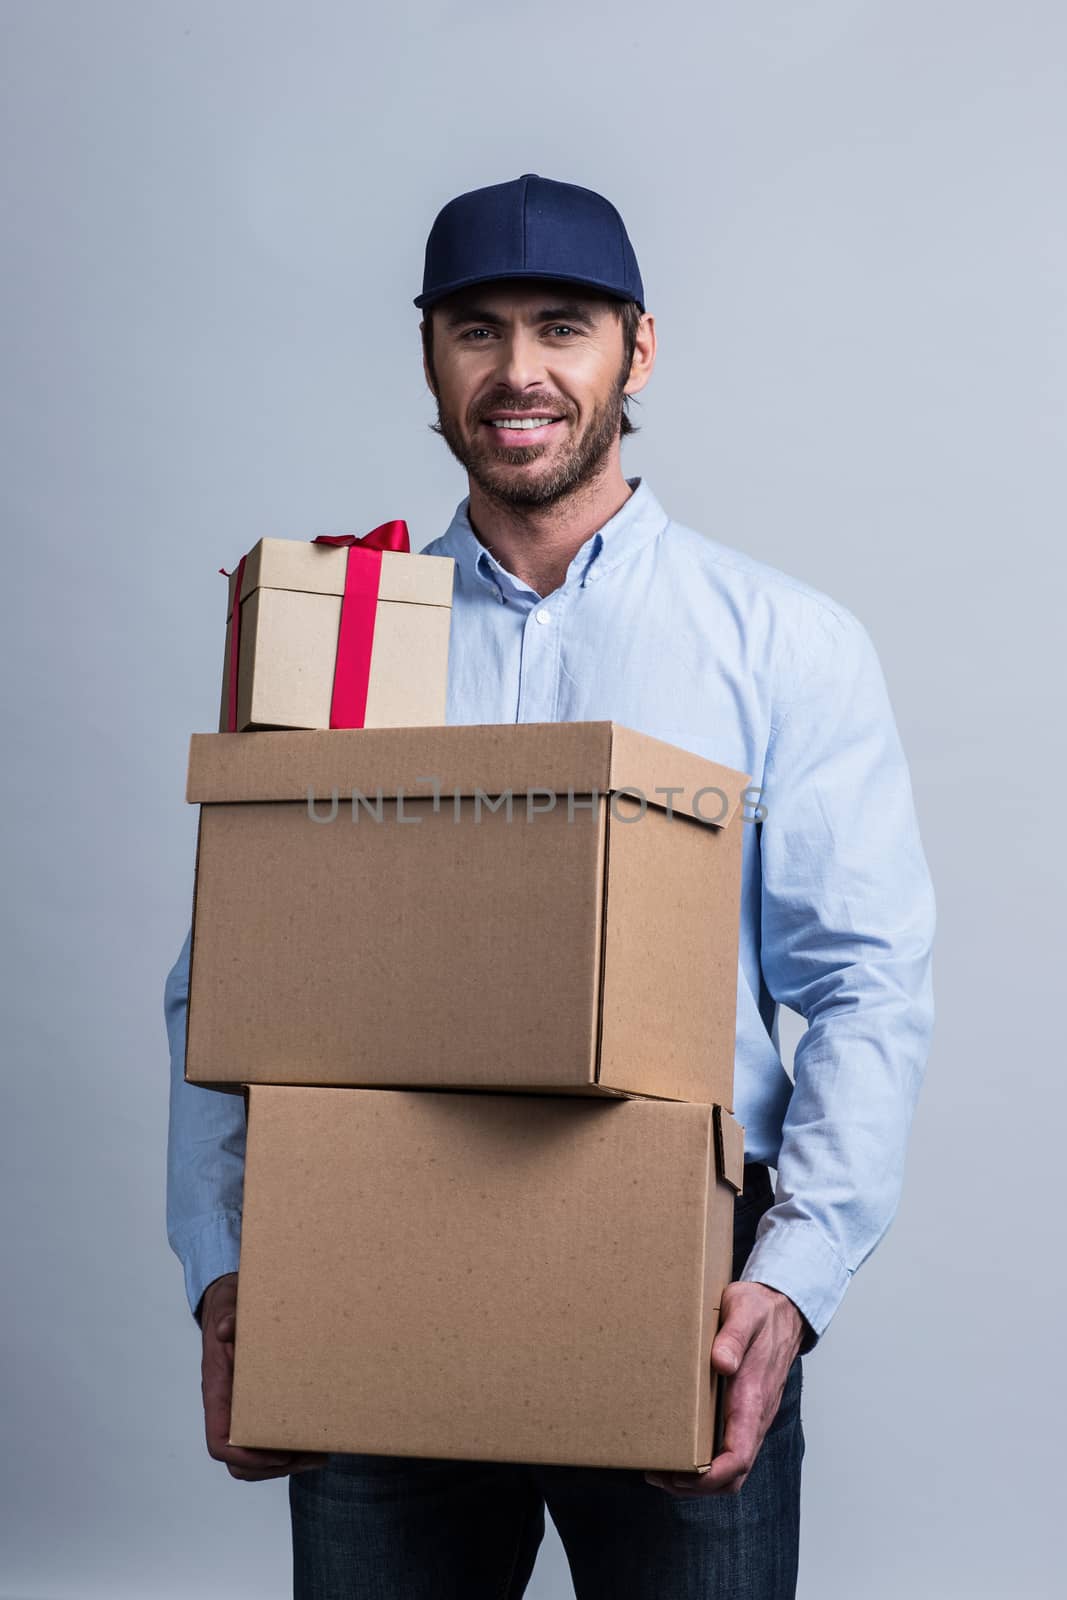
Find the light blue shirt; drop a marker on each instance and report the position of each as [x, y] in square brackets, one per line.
[664, 630]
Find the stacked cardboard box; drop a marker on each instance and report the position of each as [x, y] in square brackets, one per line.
[478, 985]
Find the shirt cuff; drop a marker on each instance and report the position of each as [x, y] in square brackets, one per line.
[209, 1252]
[795, 1258]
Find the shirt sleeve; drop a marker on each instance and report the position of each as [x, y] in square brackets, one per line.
[848, 916]
[205, 1157]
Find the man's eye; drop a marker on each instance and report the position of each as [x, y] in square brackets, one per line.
[558, 326]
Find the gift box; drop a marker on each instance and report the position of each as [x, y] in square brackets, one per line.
[337, 632]
[551, 907]
[483, 1277]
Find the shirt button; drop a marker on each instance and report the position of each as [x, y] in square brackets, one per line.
[542, 615]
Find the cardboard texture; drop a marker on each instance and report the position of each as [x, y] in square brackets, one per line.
[427, 940]
[483, 1277]
[290, 616]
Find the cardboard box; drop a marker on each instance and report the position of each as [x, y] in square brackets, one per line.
[290, 617]
[483, 1277]
[421, 938]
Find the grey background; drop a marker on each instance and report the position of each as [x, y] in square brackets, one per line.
[849, 219]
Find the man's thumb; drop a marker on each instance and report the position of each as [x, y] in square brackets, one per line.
[225, 1325]
[726, 1354]
[731, 1342]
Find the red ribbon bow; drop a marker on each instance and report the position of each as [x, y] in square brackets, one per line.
[355, 639]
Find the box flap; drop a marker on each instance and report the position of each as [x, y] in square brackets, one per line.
[554, 757]
[320, 569]
[730, 1149]
[672, 778]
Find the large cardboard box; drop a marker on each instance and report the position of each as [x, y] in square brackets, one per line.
[483, 1277]
[493, 911]
[290, 612]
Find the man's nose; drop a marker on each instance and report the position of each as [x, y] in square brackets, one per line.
[521, 361]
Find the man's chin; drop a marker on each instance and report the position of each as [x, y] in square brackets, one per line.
[503, 469]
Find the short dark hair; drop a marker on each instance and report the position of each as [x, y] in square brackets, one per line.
[626, 312]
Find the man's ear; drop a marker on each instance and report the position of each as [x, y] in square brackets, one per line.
[425, 363]
[644, 356]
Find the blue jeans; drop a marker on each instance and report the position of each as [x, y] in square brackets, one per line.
[369, 1527]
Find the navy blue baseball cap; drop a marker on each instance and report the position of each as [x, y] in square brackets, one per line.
[532, 227]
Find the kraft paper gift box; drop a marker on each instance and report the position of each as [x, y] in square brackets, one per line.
[483, 1277]
[495, 911]
[337, 632]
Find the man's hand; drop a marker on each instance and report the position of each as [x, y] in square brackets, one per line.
[759, 1336]
[219, 1323]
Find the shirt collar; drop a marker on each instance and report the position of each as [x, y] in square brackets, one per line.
[638, 520]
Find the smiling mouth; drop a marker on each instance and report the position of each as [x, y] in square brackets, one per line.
[515, 432]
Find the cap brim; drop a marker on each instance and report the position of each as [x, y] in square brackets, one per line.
[423, 301]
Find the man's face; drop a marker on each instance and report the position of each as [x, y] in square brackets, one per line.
[512, 351]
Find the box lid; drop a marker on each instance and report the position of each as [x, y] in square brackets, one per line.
[553, 757]
[320, 569]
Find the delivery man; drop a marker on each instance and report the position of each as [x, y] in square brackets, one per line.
[579, 598]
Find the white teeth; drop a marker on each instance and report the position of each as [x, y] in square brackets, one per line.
[521, 422]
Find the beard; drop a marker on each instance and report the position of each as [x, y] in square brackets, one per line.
[570, 465]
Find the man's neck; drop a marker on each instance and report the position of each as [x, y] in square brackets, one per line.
[537, 544]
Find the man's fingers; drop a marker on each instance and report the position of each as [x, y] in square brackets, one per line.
[747, 1416]
[743, 1409]
[216, 1426]
[252, 1466]
[235, 1455]
[216, 1388]
[248, 1464]
[261, 1475]
[741, 1439]
[716, 1479]
[734, 1459]
[272, 1461]
[753, 1348]
[217, 1430]
[742, 1436]
[727, 1473]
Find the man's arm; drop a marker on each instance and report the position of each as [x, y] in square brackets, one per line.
[848, 918]
[205, 1158]
[205, 1185]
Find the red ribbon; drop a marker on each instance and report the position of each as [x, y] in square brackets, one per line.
[355, 639]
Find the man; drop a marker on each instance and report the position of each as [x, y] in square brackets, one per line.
[577, 597]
